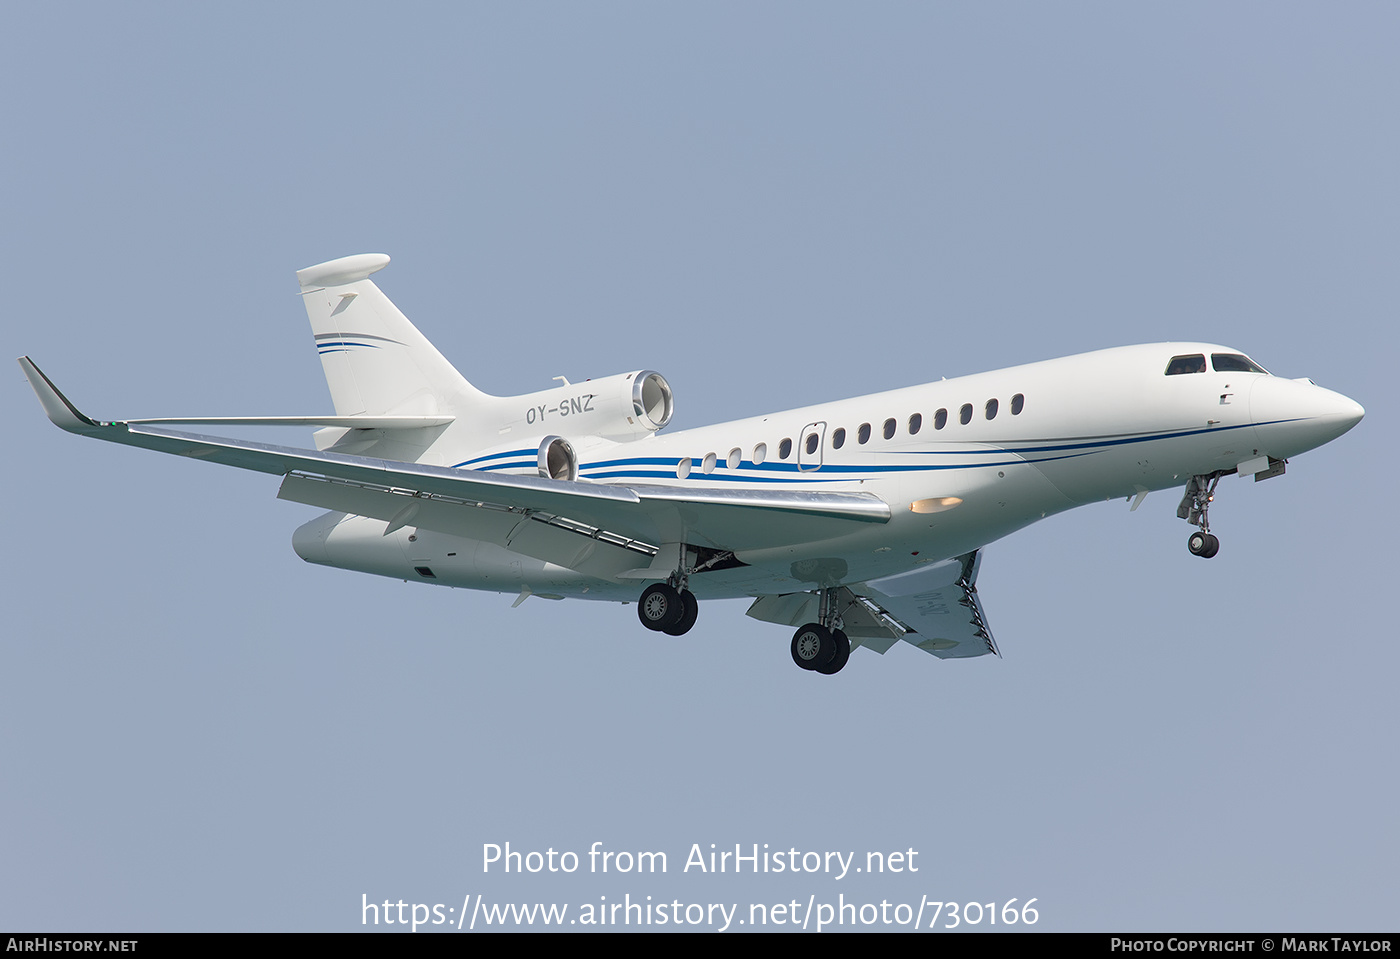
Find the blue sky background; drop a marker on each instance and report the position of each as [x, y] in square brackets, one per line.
[773, 205]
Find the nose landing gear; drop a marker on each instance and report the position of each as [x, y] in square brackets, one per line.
[1195, 509]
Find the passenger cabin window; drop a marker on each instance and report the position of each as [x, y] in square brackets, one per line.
[889, 428]
[1234, 363]
[965, 414]
[760, 453]
[940, 419]
[812, 441]
[1018, 403]
[838, 438]
[863, 434]
[784, 449]
[1195, 363]
[991, 409]
[915, 423]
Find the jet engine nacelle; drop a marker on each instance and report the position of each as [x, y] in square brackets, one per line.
[621, 407]
[551, 428]
[552, 457]
[557, 459]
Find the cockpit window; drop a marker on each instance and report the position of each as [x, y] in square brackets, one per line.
[1234, 363]
[1195, 363]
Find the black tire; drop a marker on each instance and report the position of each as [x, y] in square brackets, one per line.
[841, 656]
[660, 607]
[812, 646]
[1197, 542]
[691, 610]
[1212, 546]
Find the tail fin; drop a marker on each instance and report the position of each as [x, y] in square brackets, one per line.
[376, 362]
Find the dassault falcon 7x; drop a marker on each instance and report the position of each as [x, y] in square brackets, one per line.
[860, 522]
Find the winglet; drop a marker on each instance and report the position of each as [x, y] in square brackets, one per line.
[63, 413]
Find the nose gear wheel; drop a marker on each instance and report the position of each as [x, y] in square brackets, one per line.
[1204, 545]
[1195, 509]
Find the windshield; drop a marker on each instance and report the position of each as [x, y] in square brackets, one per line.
[1192, 363]
[1235, 363]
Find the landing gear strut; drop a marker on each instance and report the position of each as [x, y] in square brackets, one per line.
[822, 647]
[670, 607]
[1195, 509]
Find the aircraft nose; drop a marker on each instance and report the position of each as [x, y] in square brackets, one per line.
[1292, 416]
[1344, 411]
[1332, 414]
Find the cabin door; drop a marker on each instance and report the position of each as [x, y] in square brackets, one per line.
[809, 447]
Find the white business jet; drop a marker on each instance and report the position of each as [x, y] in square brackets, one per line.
[859, 522]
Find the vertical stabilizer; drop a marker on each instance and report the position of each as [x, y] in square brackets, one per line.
[376, 362]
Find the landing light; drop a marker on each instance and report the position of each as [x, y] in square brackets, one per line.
[937, 504]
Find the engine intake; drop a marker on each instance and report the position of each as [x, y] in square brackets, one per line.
[621, 407]
[557, 459]
[651, 399]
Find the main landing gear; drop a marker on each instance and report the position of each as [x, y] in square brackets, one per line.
[667, 609]
[1195, 509]
[822, 647]
[670, 607]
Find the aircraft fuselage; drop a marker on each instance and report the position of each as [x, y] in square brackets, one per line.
[1038, 439]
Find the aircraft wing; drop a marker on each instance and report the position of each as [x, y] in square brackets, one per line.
[935, 608]
[939, 605]
[724, 519]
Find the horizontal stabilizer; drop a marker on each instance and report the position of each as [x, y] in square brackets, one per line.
[347, 269]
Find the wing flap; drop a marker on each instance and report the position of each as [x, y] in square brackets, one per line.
[940, 606]
[591, 552]
[863, 624]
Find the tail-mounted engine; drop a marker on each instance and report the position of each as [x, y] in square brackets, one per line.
[557, 459]
[620, 407]
[544, 433]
